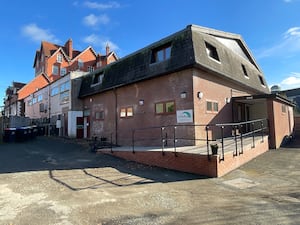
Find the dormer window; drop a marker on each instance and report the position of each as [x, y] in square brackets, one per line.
[59, 58]
[245, 71]
[261, 79]
[161, 54]
[212, 51]
[63, 71]
[55, 70]
[98, 78]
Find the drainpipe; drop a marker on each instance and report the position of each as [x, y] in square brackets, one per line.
[49, 107]
[232, 110]
[116, 115]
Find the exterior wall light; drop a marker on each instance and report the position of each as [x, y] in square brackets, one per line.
[200, 94]
[141, 102]
[227, 100]
[183, 94]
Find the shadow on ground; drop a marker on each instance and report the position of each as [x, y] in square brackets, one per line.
[67, 161]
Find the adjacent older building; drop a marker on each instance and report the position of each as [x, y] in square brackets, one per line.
[12, 107]
[56, 106]
[197, 76]
[53, 61]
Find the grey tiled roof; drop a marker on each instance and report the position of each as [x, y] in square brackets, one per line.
[188, 50]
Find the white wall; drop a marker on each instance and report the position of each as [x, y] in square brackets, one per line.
[72, 122]
[55, 103]
[33, 111]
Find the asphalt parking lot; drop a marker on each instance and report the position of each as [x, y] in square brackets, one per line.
[56, 181]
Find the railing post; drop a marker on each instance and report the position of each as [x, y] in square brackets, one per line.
[235, 140]
[175, 140]
[222, 136]
[262, 131]
[207, 141]
[133, 131]
[166, 139]
[253, 137]
[162, 140]
[241, 135]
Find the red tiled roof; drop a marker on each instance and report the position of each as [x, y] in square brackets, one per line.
[38, 82]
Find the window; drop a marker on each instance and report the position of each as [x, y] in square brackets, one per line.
[63, 71]
[90, 68]
[99, 64]
[212, 106]
[126, 112]
[165, 107]
[30, 102]
[261, 79]
[283, 108]
[80, 64]
[42, 107]
[65, 86]
[212, 51]
[54, 91]
[39, 98]
[59, 58]
[161, 54]
[55, 70]
[64, 97]
[98, 78]
[34, 100]
[99, 115]
[245, 71]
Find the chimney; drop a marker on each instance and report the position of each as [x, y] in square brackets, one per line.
[98, 60]
[107, 49]
[69, 48]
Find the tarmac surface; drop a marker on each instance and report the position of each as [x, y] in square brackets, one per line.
[56, 181]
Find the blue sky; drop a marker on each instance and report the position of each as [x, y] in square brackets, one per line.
[271, 29]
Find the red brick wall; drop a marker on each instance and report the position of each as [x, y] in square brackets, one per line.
[281, 123]
[150, 92]
[232, 162]
[161, 89]
[194, 163]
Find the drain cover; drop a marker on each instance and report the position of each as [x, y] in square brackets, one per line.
[241, 183]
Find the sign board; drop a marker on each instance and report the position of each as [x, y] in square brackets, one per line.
[58, 123]
[184, 116]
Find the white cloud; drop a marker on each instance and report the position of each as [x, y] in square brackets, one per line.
[37, 34]
[290, 82]
[97, 41]
[102, 6]
[290, 44]
[93, 20]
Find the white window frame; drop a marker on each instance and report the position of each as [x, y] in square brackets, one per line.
[63, 71]
[59, 58]
[55, 69]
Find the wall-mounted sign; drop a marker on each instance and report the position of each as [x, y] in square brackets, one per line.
[184, 116]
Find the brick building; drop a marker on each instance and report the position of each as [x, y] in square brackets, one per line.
[11, 105]
[53, 61]
[197, 76]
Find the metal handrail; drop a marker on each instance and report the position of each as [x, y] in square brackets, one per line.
[238, 129]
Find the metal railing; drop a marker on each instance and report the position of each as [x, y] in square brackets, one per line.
[241, 130]
[209, 134]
